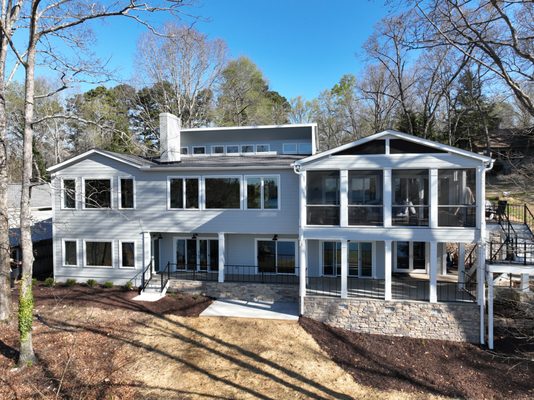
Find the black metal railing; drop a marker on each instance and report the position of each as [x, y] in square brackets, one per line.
[323, 286]
[193, 272]
[366, 288]
[165, 276]
[511, 253]
[410, 289]
[456, 292]
[256, 274]
[146, 276]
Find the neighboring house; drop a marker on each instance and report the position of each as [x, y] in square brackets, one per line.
[360, 234]
[41, 212]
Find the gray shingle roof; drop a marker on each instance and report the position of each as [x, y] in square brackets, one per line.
[283, 161]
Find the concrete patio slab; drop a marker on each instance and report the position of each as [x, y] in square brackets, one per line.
[251, 309]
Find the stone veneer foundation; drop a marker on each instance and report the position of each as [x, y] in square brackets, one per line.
[235, 290]
[444, 321]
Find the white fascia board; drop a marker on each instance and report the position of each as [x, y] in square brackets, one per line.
[178, 168]
[235, 128]
[401, 135]
[79, 157]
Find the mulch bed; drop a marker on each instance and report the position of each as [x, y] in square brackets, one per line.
[78, 334]
[459, 370]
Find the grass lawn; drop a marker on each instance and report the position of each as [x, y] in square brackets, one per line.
[97, 343]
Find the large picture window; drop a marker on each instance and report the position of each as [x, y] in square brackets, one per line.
[98, 254]
[262, 192]
[365, 198]
[410, 197]
[126, 190]
[276, 256]
[223, 193]
[322, 197]
[69, 193]
[97, 193]
[183, 193]
[457, 197]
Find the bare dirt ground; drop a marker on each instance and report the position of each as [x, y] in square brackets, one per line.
[98, 343]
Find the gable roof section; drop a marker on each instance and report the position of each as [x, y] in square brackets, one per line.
[400, 135]
[130, 159]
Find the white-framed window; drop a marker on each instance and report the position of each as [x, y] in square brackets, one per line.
[98, 253]
[232, 149]
[262, 192]
[184, 150]
[70, 252]
[247, 148]
[263, 148]
[199, 150]
[127, 254]
[289, 148]
[219, 149]
[68, 193]
[410, 257]
[97, 193]
[183, 192]
[305, 148]
[222, 192]
[126, 192]
[276, 256]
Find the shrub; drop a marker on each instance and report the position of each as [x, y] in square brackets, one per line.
[34, 282]
[91, 283]
[108, 284]
[70, 282]
[128, 286]
[49, 282]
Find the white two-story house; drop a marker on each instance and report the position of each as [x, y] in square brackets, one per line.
[359, 235]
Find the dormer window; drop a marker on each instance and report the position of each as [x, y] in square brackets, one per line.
[232, 149]
[262, 148]
[217, 149]
[247, 148]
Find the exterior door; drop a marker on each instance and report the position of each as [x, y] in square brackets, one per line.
[410, 257]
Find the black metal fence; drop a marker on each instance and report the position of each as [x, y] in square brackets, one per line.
[192, 273]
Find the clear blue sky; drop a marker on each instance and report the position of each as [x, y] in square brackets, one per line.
[302, 46]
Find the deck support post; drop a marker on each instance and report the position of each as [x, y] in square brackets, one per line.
[302, 272]
[388, 244]
[461, 265]
[433, 295]
[221, 257]
[344, 268]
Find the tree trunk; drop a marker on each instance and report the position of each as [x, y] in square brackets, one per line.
[27, 355]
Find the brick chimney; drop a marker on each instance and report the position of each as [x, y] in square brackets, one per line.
[169, 137]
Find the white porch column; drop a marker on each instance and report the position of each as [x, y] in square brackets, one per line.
[480, 202]
[302, 199]
[433, 272]
[433, 191]
[388, 245]
[147, 253]
[222, 260]
[524, 282]
[344, 198]
[481, 267]
[388, 197]
[302, 272]
[344, 268]
[490, 310]
[461, 265]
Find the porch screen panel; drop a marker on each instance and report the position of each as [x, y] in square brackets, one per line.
[266, 256]
[410, 197]
[365, 198]
[180, 254]
[322, 197]
[457, 197]
[223, 193]
[98, 254]
[285, 257]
